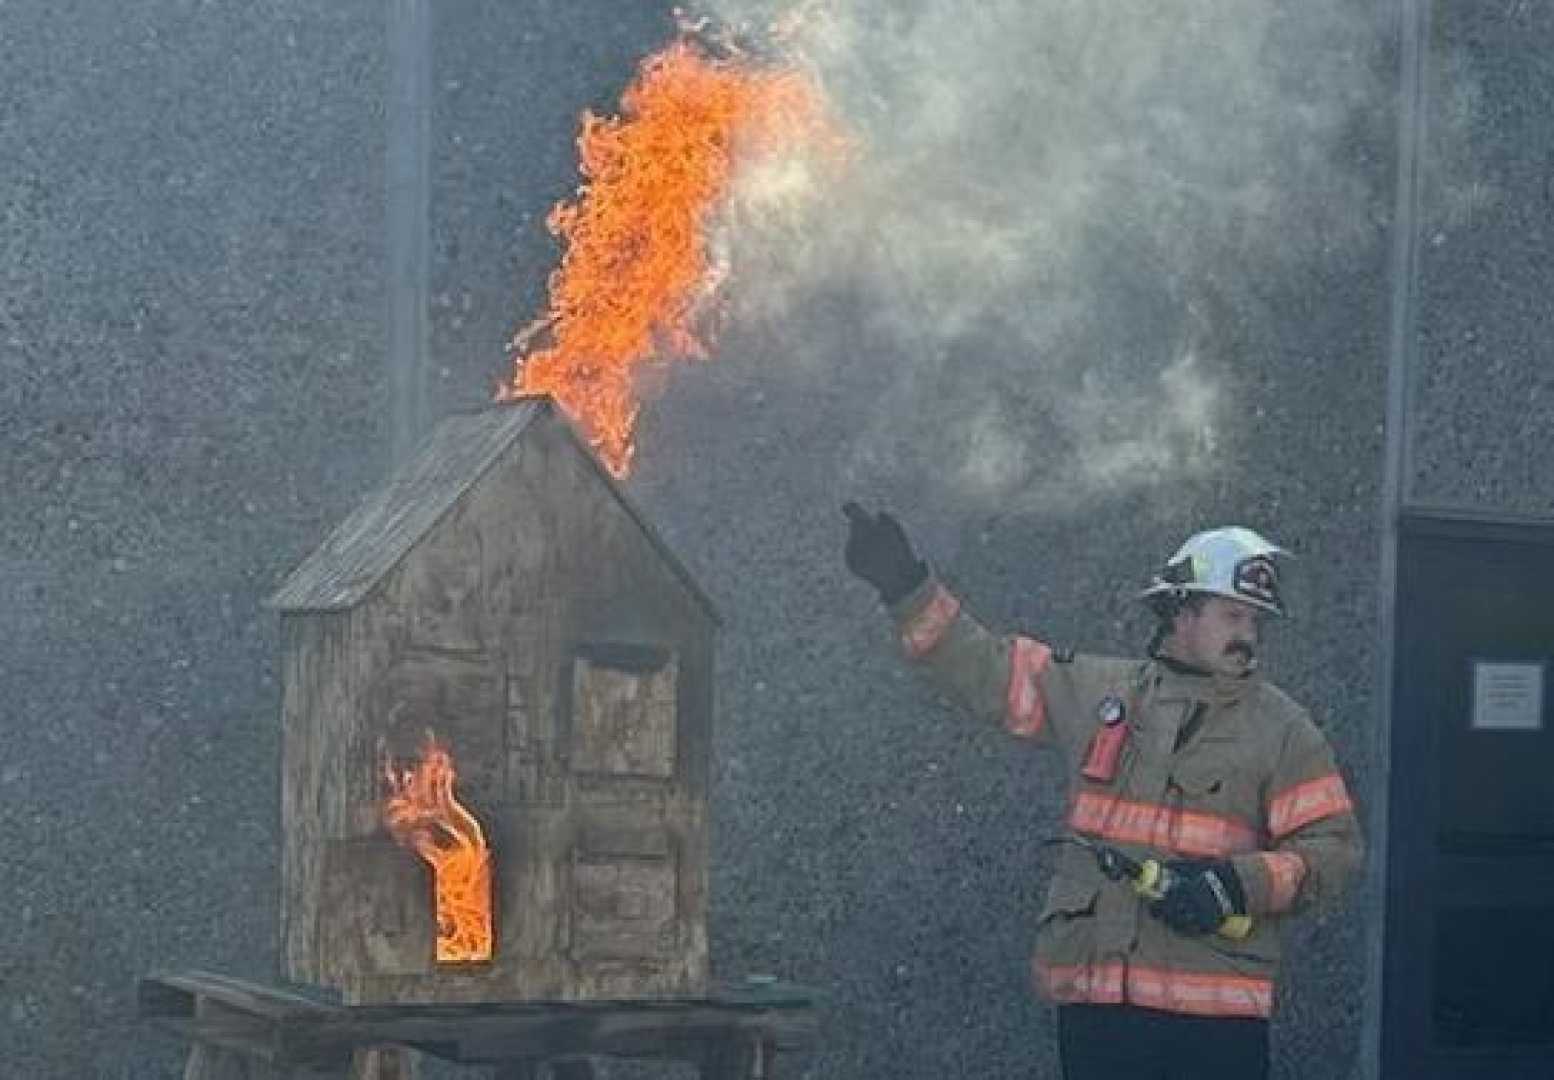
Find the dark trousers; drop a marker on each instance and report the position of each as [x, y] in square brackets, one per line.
[1123, 1042]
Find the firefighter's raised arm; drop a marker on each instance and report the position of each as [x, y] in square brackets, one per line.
[991, 676]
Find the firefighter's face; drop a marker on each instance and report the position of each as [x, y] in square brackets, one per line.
[1221, 636]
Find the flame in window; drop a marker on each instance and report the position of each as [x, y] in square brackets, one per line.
[422, 813]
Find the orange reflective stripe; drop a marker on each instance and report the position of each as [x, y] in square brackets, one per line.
[1152, 825]
[1026, 710]
[1286, 870]
[1302, 804]
[928, 626]
[1094, 984]
[1201, 995]
[1196, 993]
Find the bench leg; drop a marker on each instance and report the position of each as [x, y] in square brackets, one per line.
[745, 1056]
[383, 1063]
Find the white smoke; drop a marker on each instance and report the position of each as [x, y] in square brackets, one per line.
[1057, 211]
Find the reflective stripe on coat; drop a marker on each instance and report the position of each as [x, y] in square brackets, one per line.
[1254, 783]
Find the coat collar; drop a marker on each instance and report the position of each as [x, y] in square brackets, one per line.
[1168, 681]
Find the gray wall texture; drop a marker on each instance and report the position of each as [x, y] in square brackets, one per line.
[1105, 274]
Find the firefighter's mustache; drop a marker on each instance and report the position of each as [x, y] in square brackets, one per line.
[1241, 649]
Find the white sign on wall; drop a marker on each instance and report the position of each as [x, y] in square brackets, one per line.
[1507, 696]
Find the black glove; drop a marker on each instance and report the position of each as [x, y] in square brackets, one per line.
[1199, 896]
[879, 552]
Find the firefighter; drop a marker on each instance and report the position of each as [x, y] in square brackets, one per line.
[1187, 761]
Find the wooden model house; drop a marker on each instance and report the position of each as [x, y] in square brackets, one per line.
[500, 592]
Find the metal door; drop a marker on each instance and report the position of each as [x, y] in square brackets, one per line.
[1469, 949]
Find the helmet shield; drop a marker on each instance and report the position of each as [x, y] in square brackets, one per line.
[1257, 579]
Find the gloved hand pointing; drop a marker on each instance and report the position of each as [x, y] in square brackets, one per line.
[879, 552]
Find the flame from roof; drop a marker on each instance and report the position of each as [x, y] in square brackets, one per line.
[636, 271]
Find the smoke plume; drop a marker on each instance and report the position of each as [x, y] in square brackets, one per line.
[1059, 216]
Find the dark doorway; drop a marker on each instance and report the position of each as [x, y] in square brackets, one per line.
[1469, 951]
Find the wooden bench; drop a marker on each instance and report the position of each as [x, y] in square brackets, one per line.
[247, 1031]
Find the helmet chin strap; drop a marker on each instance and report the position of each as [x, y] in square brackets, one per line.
[1158, 650]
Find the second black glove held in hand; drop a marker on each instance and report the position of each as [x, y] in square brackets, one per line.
[1199, 896]
[879, 552]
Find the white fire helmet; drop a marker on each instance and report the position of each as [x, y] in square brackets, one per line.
[1233, 562]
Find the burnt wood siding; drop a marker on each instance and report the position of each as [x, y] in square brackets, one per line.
[540, 630]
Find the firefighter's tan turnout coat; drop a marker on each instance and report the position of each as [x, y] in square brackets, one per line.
[1254, 782]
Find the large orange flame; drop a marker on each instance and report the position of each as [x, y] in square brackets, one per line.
[422, 813]
[636, 268]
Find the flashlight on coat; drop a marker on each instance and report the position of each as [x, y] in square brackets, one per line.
[1150, 878]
